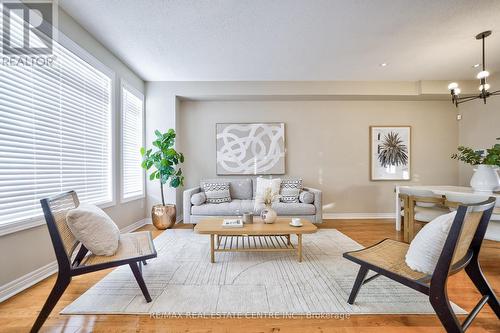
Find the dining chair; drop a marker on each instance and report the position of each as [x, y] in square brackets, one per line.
[419, 206]
[460, 251]
[453, 200]
[133, 249]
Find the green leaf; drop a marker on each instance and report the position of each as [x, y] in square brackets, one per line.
[143, 151]
[158, 134]
[152, 175]
[175, 182]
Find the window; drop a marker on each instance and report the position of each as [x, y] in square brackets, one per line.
[55, 133]
[132, 141]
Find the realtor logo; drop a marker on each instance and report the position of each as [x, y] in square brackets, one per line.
[27, 28]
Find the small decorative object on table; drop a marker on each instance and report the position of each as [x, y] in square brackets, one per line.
[486, 163]
[165, 159]
[247, 218]
[268, 214]
[232, 223]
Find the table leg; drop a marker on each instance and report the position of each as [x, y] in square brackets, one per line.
[289, 242]
[212, 253]
[299, 247]
[398, 210]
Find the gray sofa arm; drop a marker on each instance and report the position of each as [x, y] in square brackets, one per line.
[186, 203]
[318, 204]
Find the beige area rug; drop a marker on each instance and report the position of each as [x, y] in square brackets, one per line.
[183, 281]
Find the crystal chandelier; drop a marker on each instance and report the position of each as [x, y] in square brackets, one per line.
[484, 87]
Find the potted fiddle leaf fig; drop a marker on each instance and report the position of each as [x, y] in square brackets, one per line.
[164, 161]
[486, 163]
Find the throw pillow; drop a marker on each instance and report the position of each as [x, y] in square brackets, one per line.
[306, 197]
[262, 185]
[94, 229]
[217, 192]
[426, 247]
[198, 199]
[290, 190]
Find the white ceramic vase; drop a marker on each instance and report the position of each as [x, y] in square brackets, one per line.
[268, 215]
[485, 179]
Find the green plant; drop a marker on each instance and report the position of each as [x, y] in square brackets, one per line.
[165, 159]
[393, 151]
[475, 157]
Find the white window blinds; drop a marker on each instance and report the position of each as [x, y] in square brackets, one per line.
[132, 141]
[55, 133]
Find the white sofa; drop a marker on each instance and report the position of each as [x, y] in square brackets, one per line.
[242, 192]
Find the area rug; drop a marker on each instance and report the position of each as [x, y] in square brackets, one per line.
[183, 281]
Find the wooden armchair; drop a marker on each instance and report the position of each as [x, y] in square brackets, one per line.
[460, 251]
[133, 249]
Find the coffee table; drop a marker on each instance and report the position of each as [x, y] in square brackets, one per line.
[255, 237]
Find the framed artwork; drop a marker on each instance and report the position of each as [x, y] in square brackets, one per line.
[250, 148]
[390, 152]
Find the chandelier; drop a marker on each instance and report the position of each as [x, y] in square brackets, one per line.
[484, 87]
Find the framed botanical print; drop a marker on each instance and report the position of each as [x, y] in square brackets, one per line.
[390, 152]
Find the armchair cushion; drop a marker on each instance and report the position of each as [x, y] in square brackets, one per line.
[94, 228]
[425, 249]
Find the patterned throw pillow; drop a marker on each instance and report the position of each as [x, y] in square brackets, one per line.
[290, 190]
[217, 192]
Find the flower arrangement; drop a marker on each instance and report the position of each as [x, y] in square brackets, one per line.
[269, 197]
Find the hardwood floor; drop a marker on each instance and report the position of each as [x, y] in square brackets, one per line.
[18, 313]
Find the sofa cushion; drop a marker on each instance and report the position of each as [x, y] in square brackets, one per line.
[238, 207]
[290, 190]
[240, 188]
[234, 208]
[291, 209]
[217, 193]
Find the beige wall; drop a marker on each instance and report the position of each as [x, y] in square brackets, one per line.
[479, 127]
[327, 144]
[25, 251]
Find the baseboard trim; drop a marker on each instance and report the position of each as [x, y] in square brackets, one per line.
[24, 282]
[357, 216]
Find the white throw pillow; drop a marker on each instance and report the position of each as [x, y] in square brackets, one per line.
[426, 247]
[94, 228]
[262, 185]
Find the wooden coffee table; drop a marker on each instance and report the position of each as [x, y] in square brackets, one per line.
[256, 237]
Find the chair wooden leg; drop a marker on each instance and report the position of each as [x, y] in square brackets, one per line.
[62, 283]
[475, 273]
[140, 281]
[442, 306]
[357, 284]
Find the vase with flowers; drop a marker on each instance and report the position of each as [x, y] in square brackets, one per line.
[268, 214]
[486, 165]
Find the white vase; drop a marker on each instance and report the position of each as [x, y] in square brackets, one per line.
[268, 215]
[485, 179]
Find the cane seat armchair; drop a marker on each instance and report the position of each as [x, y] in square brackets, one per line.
[460, 251]
[74, 259]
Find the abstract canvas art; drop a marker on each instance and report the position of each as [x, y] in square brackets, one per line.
[390, 152]
[250, 149]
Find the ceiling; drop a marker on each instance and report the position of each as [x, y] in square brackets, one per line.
[219, 40]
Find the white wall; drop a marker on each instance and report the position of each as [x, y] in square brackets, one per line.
[194, 107]
[480, 126]
[25, 251]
